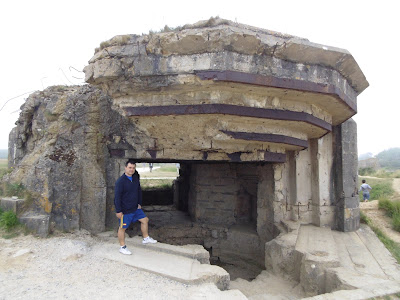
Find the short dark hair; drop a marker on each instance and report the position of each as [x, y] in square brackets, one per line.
[130, 161]
[363, 181]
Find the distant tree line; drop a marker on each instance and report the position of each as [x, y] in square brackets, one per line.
[388, 159]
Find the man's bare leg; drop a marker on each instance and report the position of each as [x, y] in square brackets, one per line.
[144, 227]
[121, 236]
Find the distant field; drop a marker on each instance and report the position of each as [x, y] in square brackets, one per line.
[3, 163]
[3, 153]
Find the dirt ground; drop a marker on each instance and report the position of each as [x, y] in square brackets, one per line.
[378, 216]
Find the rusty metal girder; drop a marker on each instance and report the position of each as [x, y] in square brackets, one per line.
[228, 109]
[267, 137]
[276, 82]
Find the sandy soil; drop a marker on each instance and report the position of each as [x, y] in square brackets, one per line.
[64, 267]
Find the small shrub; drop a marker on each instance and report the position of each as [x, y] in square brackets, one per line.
[392, 210]
[8, 220]
[1, 211]
[366, 171]
[387, 205]
[12, 189]
[50, 117]
[396, 222]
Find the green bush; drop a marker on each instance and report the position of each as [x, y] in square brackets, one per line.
[392, 207]
[1, 211]
[396, 222]
[8, 220]
[392, 210]
[366, 172]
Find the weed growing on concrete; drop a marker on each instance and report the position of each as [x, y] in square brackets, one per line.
[50, 117]
[392, 246]
[12, 189]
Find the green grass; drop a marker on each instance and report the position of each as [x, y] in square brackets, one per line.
[381, 173]
[392, 210]
[392, 246]
[8, 220]
[152, 184]
[3, 163]
[166, 169]
[381, 188]
[4, 167]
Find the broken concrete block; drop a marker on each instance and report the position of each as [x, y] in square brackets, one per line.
[12, 203]
[38, 224]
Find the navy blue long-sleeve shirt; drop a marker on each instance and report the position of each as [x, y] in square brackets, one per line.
[128, 194]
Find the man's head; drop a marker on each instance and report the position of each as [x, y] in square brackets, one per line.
[130, 167]
[363, 181]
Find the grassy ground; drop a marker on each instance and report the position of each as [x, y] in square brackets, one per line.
[162, 177]
[3, 166]
[382, 188]
[3, 163]
[148, 184]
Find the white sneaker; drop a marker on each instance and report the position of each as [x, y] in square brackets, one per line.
[125, 251]
[149, 240]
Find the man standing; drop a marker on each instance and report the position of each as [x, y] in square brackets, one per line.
[365, 188]
[128, 205]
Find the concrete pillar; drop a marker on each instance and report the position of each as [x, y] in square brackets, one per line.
[292, 184]
[265, 202]
[345, 178]
[302, 205]
[321, 165]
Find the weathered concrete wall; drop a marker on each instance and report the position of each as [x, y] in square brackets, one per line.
[64, 143]
[345, 177]
[265, 203]
[223, 193]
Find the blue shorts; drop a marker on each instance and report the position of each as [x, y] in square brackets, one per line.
[127, 219]
[366, 196]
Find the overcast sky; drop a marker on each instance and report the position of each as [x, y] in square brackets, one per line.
[46, 43]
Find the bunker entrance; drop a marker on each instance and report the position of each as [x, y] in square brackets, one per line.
[224, 207]
[157, 180]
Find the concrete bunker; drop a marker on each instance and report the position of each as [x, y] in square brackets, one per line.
[260, 122]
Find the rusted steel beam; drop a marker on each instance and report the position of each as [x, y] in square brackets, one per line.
[228, 109]
[153, 153]
[282, 83]
[117, 153]
[274, 157]
[267, 137]
[268, 157]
